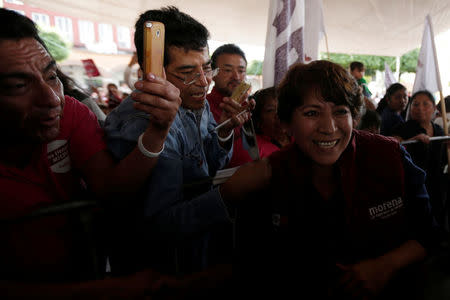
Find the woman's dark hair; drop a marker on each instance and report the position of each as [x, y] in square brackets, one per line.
[111, 85]
[370, 119]
[425, 93]
[327, 79]
[391, 90]
[261, 97]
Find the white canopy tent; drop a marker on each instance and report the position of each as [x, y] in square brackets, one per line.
[377, 27]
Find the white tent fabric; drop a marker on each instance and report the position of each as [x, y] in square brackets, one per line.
[378, 27]
[381, 27]
[314, 29]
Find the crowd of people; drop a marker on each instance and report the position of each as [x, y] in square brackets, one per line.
[122, 205]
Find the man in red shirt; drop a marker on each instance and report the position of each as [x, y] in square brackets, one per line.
[52, 149]
[232, 64]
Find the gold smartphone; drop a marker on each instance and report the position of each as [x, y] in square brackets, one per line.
[154, 47]
[239, 91]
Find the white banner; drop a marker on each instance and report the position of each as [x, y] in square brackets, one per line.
[389, 77]
[427, 73]
[314, 29]
[284, 39]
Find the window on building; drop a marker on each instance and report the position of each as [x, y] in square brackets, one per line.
[86, 31]
[123, 37]
[65, 27]
[16, 2]
[105, 33]
[42, 20]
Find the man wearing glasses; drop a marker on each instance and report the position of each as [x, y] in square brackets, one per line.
[173, 228]
[231, 62]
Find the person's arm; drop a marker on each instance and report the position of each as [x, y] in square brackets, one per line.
[398, 138]
[169, 212]
[138, 285]
[421, 137]
[211, 283]
[173, 212]
[231, 110]
[248, 178]
[424, 237]
[217, 155]
[369, 277]
[158, 98]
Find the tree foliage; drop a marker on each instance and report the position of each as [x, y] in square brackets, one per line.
[408, 61]
[255, 67]
[55, 45]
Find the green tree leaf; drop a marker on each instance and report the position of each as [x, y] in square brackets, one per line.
[408, 61]
[55, 45]
[255, 67]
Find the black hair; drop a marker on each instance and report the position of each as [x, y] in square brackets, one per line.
[356, 65]
[370, 119]
[391, 90]
[111, 84]
[14, 26]
[261, 97]
[447, 104]
[181, 30]
[425, 93]
[325, 78]
[71, 88]
[226, 49]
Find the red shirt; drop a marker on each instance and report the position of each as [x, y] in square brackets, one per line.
[50, 176]
[53, 175]
[241, 156]
[215, 98]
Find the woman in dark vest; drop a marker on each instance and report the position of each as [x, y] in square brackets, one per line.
[430, 156]
[340, 213]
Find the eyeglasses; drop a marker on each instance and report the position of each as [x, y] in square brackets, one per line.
[189, 79]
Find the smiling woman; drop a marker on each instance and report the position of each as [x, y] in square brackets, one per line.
[325, 204]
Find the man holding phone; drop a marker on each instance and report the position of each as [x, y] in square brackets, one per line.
[174, 226]
[52, 152]
[232, 65]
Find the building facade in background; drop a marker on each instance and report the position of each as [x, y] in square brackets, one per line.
[82, 34]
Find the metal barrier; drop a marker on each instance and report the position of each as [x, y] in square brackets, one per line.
[432, 139]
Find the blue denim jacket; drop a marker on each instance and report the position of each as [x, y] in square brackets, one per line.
[192, 152]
